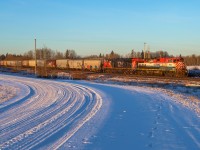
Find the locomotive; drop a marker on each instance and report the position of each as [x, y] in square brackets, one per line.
[174, 66]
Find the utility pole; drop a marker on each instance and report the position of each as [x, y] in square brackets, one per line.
[35, 60]
[149, 53]
[144, 50]
[45, 63]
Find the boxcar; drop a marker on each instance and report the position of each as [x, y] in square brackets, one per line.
[25, 63]
[31, 63]
[18, 63]
[11, 63]
[40, 63]
[2, 63]
[75, 64]
[121, 63]
[62, 63]
[51, 63]
[5, 63]
[92, 65]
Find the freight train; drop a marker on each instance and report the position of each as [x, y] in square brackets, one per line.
[160, 66]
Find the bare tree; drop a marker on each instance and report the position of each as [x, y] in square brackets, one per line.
[29, 54]
[2, 57]
[192, 60]
[70, 54]
[59, 55]
[112, 55]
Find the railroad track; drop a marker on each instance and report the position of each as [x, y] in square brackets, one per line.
[148, 79]
[156, 77]
[84, 75]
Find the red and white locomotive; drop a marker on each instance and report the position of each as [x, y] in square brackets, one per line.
[174, 66]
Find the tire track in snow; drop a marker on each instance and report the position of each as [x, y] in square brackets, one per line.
[52, 112]
[24, 93]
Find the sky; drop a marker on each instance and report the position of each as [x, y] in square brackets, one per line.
[99, 26]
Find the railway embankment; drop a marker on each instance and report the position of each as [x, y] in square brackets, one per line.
[188, 86]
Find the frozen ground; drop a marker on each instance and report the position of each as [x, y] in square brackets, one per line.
[47, 114]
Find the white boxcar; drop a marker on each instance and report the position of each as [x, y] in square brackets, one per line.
[1, 62]
[8, 63]
[18, 63]
[90, 64]
[62, 63]
[31, 63]
[75, 64]
[40, 63]
[5, 63]
[11, 63]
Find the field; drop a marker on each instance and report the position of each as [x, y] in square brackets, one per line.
[103, 113]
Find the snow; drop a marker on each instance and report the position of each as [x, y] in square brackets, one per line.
[151, 119]
[6, 92]
[113, 114]
[47, 109]
[193, 71]
[193, 67]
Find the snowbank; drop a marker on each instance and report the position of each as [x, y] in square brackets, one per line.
[7, 92]
[186, 93]
[193, 67]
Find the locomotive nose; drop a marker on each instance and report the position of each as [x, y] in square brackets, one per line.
[181, 70]
[180, 66]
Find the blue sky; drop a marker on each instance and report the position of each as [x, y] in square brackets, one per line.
[94, 26]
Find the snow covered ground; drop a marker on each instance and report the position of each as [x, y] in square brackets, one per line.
[193, 71]
[193, 67]
[44, 114]
[61, 114]
[6, 92]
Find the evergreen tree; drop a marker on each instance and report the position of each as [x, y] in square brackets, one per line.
[142, 54]
[100, 56]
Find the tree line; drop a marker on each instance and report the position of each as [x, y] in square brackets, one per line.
[49, 54]
[192, 60]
